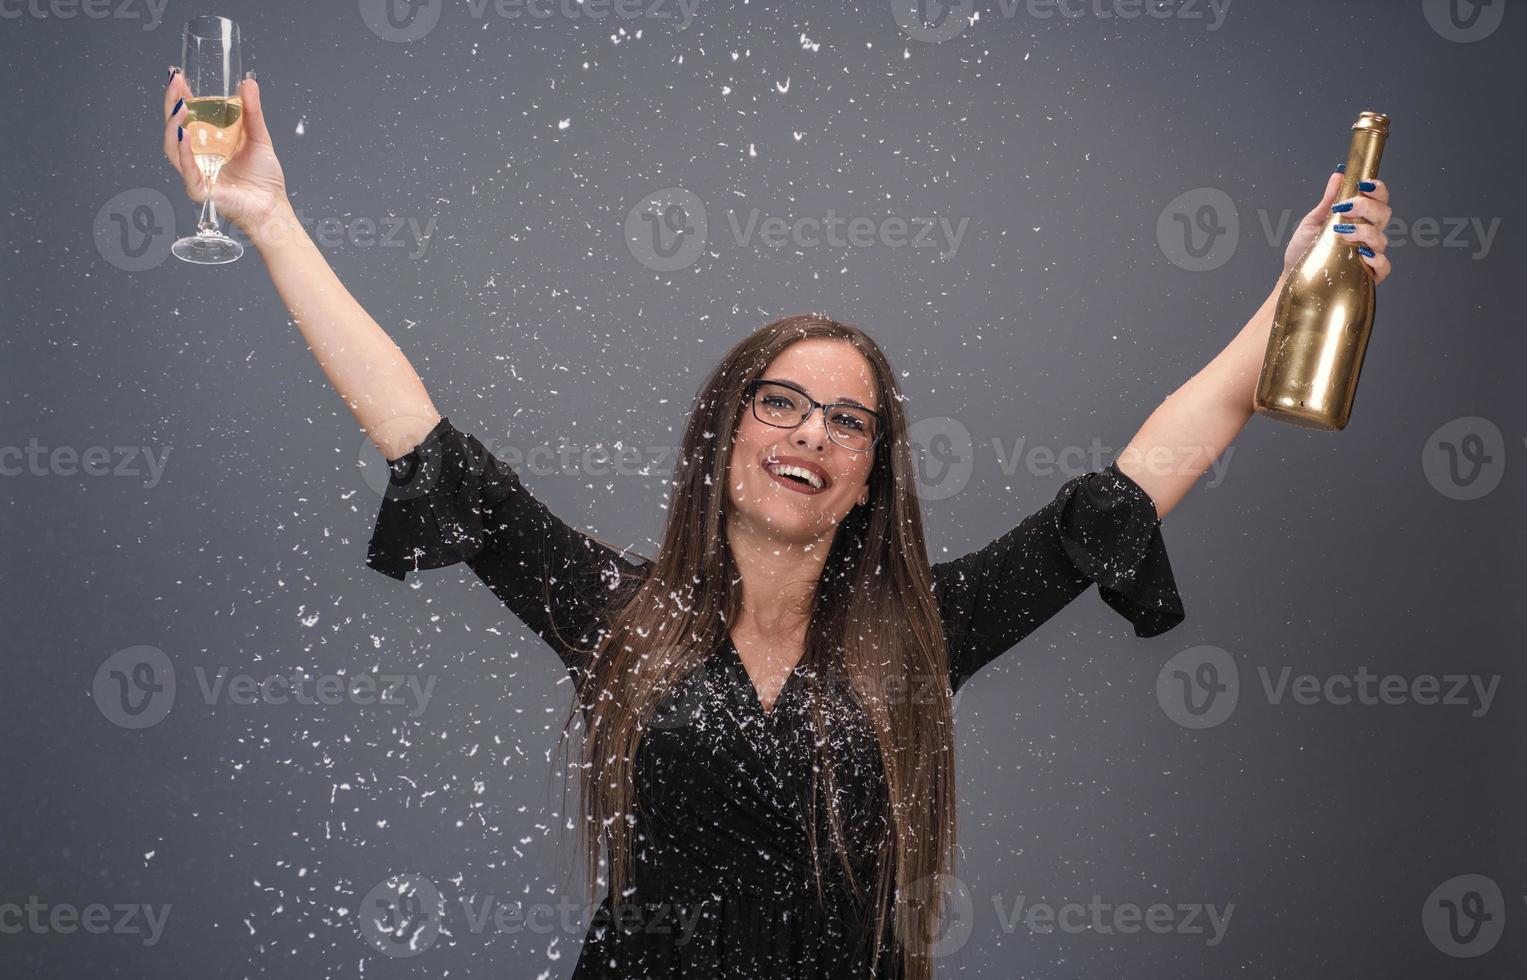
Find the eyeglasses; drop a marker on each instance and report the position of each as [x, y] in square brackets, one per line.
[785, 406]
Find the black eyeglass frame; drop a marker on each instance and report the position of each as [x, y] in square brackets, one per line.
[750, 392]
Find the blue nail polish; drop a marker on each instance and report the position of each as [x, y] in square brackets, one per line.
[1346, 229]
[178, 104]
[1365, 250]
[1367, 185]
[180, 134]
[1342, 207]
[1342, 169]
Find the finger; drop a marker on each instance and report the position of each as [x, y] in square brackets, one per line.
[1364, 234]
[1333, 185]
[196, 187]
[1380, 191]
[1368, 209]
[174, 121]
[254, 116]
[175, 90]
[1377, 261]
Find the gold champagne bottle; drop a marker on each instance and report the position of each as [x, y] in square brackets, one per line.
[1325, 313]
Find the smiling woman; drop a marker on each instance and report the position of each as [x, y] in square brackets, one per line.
[769, 756]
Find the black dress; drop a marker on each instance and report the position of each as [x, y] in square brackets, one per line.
[724, 886]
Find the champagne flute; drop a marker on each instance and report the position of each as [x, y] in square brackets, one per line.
[214, 126]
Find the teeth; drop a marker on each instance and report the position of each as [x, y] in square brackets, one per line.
[800, 471]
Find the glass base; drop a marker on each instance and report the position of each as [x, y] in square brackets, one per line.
[207, 248]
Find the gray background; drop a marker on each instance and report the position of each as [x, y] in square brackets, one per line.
[1061, 320]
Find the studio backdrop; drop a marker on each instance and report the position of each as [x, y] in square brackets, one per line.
[225, 735]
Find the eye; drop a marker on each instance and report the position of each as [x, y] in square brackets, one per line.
[777, 401]
[852, 421]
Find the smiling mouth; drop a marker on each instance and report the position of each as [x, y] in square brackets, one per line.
[795, 478]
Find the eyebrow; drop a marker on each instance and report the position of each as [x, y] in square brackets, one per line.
[839, 400]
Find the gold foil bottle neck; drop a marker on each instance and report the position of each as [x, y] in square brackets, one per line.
[1376, 121]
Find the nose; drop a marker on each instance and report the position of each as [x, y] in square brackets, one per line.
[812, 433]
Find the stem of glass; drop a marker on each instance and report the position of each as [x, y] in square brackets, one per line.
[207, 225]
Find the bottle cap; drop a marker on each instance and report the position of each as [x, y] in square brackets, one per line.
[1376, 121]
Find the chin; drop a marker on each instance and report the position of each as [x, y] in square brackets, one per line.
[787, 522]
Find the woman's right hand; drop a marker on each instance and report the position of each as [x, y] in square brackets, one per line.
[250, 186]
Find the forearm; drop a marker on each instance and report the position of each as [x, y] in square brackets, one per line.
[1190, 429]
[367, 369]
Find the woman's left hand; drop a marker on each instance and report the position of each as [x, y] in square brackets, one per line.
[1367, 215]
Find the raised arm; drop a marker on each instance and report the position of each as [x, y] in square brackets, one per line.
[367, 369]
[1189, 430]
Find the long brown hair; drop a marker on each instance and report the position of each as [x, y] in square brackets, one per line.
[873, 619]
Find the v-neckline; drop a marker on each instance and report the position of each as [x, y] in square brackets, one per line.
[754, 699]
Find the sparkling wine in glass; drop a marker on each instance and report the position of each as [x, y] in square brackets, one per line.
[214, 126]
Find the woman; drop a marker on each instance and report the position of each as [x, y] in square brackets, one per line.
[767, 704]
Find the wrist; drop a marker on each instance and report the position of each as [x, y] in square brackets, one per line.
[278, 228]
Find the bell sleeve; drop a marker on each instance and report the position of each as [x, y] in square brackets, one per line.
[450, 500]
[1101, 527]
